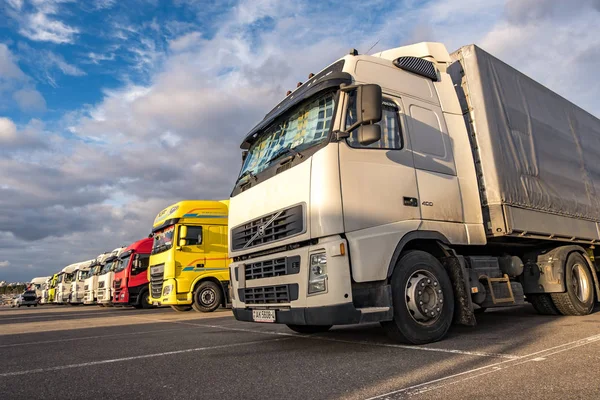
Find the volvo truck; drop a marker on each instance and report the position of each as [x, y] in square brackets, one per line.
[189, 263]
[63, 284]
[78, 284]
[414, 188]
[90, 285]
[130, 283]
[106, 277]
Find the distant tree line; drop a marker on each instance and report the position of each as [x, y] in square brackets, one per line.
[9, 289]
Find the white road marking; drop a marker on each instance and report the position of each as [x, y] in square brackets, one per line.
[122, 359]
[86, 337]
[447, 380]
[60, 315]
[360, 342]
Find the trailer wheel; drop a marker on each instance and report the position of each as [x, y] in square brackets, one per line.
[422, 298]
[579, 297]
[207, 297]
[542, 303]
[181, 308]
[308, 329]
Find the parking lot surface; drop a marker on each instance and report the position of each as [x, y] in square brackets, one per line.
[92, 352]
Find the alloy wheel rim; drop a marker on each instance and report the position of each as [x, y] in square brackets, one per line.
[424, 297]
[580, 282]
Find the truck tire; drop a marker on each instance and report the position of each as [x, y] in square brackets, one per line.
[423, 300]
[181, 308]
[308, 329]
[579, 297]
[542, 303]
[207, 297]
[143, 301]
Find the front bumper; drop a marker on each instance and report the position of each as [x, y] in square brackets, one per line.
[173, 298]
[90, 297]
[331, 307]
[340, 314]
[104, 296]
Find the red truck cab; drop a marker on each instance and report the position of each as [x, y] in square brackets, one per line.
[131, 281]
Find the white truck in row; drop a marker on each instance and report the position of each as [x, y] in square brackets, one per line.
[92, 287]
[414, 187]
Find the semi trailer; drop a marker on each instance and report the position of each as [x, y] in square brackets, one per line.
[189, 267]
[130, 284]
[414, 188]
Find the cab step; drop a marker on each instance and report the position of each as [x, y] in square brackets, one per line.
[375, 314]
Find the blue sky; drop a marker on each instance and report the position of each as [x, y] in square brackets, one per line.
[111, 110]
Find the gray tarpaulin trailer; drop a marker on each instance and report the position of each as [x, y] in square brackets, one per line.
[537, 154]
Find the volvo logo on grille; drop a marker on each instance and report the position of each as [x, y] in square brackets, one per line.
[260, 232]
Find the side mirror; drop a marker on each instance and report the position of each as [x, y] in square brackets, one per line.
[183, 231]
[368, 103]
[369, 134]
[136, 261]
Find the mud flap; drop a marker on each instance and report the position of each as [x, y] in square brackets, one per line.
[463, 306]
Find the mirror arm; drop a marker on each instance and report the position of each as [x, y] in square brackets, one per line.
[348, 88]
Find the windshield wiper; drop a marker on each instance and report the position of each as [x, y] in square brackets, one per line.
[283, 152]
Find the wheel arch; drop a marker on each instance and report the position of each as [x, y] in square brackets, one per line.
[213, 279]
[556, 260]
[429, 241]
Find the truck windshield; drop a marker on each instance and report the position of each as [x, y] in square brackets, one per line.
[163, 239]
[122, 263]
[95, 270]
[60, 278]
[83, 274]
[305, 126]
[107, 266]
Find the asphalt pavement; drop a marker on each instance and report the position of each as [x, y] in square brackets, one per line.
[89, 352]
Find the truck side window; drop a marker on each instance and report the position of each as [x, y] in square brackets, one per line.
[390, 126]
[194, 234]
[144, 262]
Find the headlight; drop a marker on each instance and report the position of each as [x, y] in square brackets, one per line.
[317, 276]
[167, 290]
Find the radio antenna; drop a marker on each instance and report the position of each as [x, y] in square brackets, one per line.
[371, 48]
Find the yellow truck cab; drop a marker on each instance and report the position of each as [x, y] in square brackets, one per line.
[52, 288]
[189, 266]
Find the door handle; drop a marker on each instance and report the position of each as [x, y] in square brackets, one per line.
[411, 202]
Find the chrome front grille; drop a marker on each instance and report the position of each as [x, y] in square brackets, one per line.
[117, 283]
[157, 273]
[271, 268]
[269, 228]
[269, 294]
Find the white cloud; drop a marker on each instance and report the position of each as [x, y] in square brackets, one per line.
[40, 27]
[8, 130]
[4, 264]
[29, 100]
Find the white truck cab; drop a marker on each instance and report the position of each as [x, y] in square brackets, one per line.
[403, 188]
[62, 292]
[78, 283]
[38, 284]
[90, 283]
[106, 277]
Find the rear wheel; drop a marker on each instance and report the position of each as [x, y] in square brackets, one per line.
[542, 303]
[423, 300]
[308, 329]
[207, 297]
[579, 297]
[181, 308]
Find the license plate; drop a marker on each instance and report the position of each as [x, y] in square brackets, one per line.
[263, 315]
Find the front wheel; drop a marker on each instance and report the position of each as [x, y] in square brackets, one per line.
[181, 308]
[308, 329]
[423, 300]
[207, 297]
